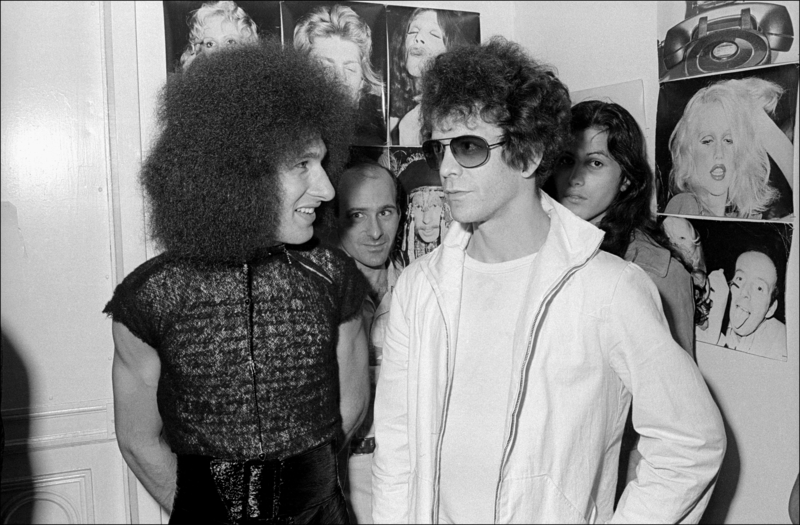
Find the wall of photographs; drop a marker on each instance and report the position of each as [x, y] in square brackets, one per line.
[727, 107]
[378, 52]
[725, 167]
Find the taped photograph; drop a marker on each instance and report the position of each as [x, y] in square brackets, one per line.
[193, 29]
[350, 39]
[739, 272]
[415, 37]
[724, 144]
[709, 37]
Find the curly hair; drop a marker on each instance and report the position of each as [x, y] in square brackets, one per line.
[630, 210]
[750, 193]
[230, 12]
[501, 84]
[403, 85]
[341, 21]
[229, 125]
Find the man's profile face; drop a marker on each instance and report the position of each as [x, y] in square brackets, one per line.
[368, 215]
[304, 186]
[751, 292]
[483, 193]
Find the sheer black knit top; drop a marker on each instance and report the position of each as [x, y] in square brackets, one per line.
[248, 351]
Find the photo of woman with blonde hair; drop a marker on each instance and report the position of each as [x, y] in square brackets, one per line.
[730, 153]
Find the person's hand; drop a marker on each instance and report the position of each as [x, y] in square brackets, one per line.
[719, 298]
[718, 283]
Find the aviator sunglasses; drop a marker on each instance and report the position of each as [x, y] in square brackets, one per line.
[470, 151]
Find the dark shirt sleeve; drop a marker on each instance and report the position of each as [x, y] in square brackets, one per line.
[136, 303]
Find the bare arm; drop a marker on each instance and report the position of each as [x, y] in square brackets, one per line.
[719, 297]
[353, 358]
[135, 374]
[778, 145]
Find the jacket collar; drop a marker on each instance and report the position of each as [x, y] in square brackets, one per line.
[571, 241]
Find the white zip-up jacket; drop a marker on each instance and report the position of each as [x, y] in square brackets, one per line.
[590, 335]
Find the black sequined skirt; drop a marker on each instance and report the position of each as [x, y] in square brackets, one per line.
[300, 489]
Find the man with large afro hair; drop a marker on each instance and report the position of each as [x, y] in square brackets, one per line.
[240, 363]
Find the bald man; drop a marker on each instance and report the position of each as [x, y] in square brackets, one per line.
[368, 215]
[752, 326]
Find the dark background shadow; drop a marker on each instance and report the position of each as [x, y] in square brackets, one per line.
[14, 460]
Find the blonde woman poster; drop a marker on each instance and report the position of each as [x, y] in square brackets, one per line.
[724, 144]
[193, 29]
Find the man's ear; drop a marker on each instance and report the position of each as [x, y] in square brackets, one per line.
[772, 308]
[533, 165]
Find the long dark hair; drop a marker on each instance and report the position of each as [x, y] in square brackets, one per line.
[630, 210]
[403, 88]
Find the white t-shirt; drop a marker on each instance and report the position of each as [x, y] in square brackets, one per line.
[473, 438]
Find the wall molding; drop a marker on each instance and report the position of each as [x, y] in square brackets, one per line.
[68, 493]
[34, 428]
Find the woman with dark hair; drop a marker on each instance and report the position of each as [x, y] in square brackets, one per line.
[604, 178]
[423, 35]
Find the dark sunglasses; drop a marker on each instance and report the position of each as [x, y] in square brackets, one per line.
[469, 150]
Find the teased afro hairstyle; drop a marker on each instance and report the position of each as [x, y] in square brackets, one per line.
[501, 84]
[229, 125]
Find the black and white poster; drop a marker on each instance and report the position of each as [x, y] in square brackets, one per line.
[739, 269]
[415, 37]
[705, 38]
[428, 214]
[350, 39]
[724, 144]
[196, 28]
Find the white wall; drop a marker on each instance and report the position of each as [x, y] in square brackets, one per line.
[600, 43]
[61, 458]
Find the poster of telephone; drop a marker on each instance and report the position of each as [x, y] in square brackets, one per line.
[739, 274]
[708, 37]
[724, 144]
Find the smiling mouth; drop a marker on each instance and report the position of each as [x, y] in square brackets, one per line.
[306, 211]
[718, 172]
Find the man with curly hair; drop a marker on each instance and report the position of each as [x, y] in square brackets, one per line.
[514, 348]
[236, 347]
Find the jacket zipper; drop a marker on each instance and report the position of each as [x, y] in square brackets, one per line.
[524, 371]
[445, 404]
[252, 365]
